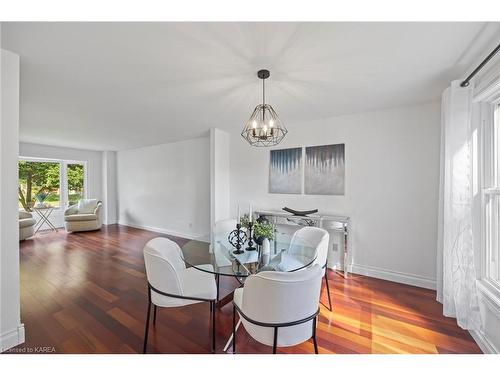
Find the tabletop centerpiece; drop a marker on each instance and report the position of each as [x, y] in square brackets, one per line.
[261, 229]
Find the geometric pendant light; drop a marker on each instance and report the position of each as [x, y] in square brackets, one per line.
[264, 128]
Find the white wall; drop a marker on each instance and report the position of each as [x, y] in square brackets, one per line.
[219, 177]
[109, 188]
[93, 160]
[11, 329]
[392, 178]
[166, 188]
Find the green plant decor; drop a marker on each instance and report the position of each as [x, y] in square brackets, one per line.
[263, 230]
[260, 229]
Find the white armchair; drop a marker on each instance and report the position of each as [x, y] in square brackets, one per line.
[279, 309]
[83, 216]
[171, 284]
[26, 225]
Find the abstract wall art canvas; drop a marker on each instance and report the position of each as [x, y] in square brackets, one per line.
[285, 171]
[325, 170]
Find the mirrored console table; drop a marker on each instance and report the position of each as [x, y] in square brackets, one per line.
[331, 223]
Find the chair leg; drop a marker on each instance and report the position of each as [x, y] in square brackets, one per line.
[147, 323]
[234, 330]
[217, 279]
[154, 315]
[314, 337]
[328, 289]
[212, 303]
[275, 341]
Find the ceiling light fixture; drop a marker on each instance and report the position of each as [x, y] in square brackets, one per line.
[264, 128]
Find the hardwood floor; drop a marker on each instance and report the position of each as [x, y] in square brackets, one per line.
[86, 293]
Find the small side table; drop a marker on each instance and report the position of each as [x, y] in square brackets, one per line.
[44, 213]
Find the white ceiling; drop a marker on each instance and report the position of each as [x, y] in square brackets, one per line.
[110, 86]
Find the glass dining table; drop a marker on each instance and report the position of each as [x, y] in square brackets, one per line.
[226, 261]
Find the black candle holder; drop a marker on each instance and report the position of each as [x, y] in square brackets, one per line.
[250, 246]
[236, 238]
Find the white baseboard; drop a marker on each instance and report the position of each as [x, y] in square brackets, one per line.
[12, 338]
[188, 235]
[398, 277]
[484, 344]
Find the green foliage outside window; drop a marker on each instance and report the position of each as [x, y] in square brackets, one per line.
[41, 180]
[75, 177]
[36, 178]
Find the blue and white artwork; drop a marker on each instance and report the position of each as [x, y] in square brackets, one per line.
[285, 171]
[325, 170]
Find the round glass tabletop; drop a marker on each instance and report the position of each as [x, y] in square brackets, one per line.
[277, 256]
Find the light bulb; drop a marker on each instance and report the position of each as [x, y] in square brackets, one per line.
[254, 124]
[271, 123]
[265, 128]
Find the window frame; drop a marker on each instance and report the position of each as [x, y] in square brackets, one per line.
[84, 163]
[487, 101]
[63, 178]
[490, 192]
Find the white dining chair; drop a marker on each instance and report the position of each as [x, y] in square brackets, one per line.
[279, 309]
[171, 284]
[300, 246]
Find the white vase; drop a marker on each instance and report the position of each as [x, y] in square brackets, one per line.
[266, 251]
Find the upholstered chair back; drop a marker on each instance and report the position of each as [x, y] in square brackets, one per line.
[25, 215]
[282, 297]
[222, 228]
[311, 237]
[163, 261]
[87, 206]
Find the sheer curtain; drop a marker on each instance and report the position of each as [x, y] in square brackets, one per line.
[456, 274]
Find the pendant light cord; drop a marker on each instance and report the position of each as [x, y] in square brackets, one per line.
[263, 91]
[263, 100]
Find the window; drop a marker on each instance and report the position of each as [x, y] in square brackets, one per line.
[76, 181]
[492, 200]
[39, 183]
[53, 183]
